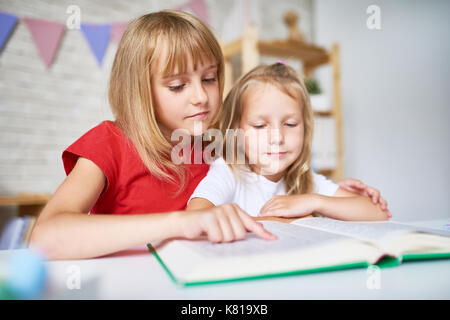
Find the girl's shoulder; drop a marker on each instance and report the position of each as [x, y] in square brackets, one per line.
[219, 167]
[323, 185]
[219, 161]
[238, 174]
[104, 136]
[103, 144]
[220, 170]
[106, 130]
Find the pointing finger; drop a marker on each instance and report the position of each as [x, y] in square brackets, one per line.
[255, 227]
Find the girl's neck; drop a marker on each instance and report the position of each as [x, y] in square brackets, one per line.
[185, 141]
[272, 177]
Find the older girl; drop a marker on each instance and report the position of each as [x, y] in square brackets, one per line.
[167, 74]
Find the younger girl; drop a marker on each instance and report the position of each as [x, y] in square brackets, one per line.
[270, 114]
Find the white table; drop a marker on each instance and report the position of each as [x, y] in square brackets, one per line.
[136, 274]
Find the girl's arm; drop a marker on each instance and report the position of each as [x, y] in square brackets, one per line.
[357, 187]
[201, 203]
[64, 230]
[351, 208]
[198, 204]
[342, 207]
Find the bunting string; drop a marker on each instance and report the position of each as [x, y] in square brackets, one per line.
[47, 35]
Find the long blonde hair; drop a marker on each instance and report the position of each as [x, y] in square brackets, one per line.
[136, 59]
[298, 176]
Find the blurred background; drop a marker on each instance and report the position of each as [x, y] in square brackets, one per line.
[391, 72]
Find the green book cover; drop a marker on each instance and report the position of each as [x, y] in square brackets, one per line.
[346, 250]
[260, 276]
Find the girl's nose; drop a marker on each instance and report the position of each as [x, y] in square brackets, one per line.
[199, 95]
[276, 136]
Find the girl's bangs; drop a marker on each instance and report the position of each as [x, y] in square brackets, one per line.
[182, 50]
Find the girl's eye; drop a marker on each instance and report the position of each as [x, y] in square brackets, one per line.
[176, 88]
[209, 80]
[259, 126]
[291, 125]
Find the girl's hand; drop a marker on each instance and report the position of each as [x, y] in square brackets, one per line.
[224, 223]
[359, 188]
[290, 206]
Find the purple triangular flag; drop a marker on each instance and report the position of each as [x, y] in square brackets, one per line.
[7, 23]
[97, 36]
[47, 37]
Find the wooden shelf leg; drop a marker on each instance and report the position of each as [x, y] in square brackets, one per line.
[337, 112]
[250, 53]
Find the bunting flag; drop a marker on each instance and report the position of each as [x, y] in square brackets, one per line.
[117, 31]
[47, 37]
[7, 23]
[97, 35]
[198, 7]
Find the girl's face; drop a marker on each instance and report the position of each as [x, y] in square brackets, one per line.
[186, 100]
[274, 130]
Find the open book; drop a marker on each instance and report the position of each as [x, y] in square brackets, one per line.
[303, 246]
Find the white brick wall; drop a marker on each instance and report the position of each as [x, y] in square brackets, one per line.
[43, 111]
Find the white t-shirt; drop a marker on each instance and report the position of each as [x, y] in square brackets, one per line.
[221, 186]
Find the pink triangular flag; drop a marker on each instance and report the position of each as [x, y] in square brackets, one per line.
[47, 37]
[181, 7]
[199, 8]
[117, 31]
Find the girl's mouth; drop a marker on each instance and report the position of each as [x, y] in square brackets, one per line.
[199, 116]
[277, 154]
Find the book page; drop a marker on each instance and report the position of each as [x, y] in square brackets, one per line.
[290, 237]
[379, 232]
[297, 248]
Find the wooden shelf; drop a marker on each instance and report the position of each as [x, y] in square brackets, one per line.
[308, 54]
[323, 113]
[27, 203]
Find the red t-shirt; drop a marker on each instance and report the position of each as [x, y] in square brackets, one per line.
[130, 187]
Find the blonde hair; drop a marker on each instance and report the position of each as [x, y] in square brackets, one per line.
[137, 58]
[298, 176]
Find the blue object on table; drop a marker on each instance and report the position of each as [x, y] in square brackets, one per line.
[13, 234]
[23, 276]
